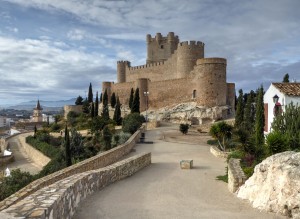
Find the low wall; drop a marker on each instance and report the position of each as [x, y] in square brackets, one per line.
[218, 153]
[101, 160]
[4, 160]
[236, 176]
[38, 157]
[60, 199]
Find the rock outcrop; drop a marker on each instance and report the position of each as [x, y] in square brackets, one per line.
[189, 113]
[275, 185]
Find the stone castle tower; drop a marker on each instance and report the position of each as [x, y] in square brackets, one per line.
[37, 113]
[175, 72]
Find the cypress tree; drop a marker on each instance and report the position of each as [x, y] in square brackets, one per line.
[79, 100]
[107, 138]
[105, 98]
[96, 105]
[92, 110]
[259, 119]
[248, 120]
[100, 98]
[136, 102]
[131, 98]
[68, 147]
[239, 110]
[117, 114]
[90, 94]
[105, 111]
[113, 100]
[286, 78]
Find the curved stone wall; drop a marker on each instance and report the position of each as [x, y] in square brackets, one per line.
[211, 82]
[98, 161]
[60, 199]
[187, 55]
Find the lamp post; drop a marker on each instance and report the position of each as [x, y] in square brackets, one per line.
[146, 93]
[276, 107]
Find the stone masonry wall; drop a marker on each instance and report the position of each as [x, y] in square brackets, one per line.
[60, 199]
[98, 161]
[38, 157]
[236, 176]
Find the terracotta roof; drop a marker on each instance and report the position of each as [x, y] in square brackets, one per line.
[290, 89]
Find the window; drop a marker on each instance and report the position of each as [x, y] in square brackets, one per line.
[194, 94]
[161, 46]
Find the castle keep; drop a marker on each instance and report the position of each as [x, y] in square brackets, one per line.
[175, 72]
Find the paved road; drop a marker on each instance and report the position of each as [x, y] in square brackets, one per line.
[163, 190]
[22, 160]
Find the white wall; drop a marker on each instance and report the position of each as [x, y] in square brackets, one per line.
[284, 100]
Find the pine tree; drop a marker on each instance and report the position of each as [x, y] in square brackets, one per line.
[68, 147]
[92, 110]
[259, 119]
[113, 100]
[79, 100]
[131, 98]
[117, 114]
[286, 78]
[90, 94]
[35, 131]
[239, 110]
[96, 105]
[136, 102]
[105, 111]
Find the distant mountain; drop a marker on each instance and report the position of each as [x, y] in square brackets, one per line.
[46, 105]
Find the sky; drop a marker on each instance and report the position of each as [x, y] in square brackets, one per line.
[53, 49]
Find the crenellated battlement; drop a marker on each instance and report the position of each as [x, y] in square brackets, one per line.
[124, 62]
[191, 43]
[146, 66]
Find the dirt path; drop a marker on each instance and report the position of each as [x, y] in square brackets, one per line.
[163, 190]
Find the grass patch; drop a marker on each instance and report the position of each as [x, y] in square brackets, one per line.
[212, 142]
[223, 178]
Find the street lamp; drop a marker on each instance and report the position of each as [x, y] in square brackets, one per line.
[275, 99]
[146, 93]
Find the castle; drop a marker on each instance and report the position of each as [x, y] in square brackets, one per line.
[175, 72]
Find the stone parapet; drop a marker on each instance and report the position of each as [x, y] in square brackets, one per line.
[236, 176]
[60, 199]
[38, 157]
[101, 160]
[218, 153]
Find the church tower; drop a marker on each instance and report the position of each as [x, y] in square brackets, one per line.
[37, 113]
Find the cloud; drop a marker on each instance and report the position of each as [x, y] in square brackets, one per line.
[39, 68]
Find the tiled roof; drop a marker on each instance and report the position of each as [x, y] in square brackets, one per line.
[290, 89]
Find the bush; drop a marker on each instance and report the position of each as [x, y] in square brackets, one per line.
[47, 149]
[236, 154]
[120, 138]
[132, 122]
[184, 128]
[14, 182]
[212, 142]
[276, 142]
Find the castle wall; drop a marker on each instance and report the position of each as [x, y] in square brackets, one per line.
[73, 108]
[160, 48]
[211, 82]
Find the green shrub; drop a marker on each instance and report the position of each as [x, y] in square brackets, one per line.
[276, 142]
[132, 122]
[47, 149]
[120, 138]
[248, 171]
[238, 154]
[14, 182]
[184, 128]
[212, 142]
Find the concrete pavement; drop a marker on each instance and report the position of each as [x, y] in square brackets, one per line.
[163, 190]
[22, 160]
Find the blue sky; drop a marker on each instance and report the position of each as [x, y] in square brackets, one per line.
[53, 49]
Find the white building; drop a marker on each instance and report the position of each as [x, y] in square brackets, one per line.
[284, 93]
[2, 121]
